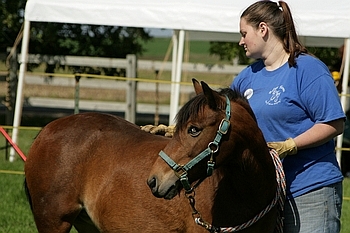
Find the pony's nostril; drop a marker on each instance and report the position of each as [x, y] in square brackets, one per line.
[152, 183]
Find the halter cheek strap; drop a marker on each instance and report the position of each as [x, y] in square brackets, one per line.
[213, 147]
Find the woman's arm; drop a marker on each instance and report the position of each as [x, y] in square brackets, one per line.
[319, 134]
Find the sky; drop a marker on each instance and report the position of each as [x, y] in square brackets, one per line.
[157, 32]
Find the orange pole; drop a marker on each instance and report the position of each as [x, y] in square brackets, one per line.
[8, 138]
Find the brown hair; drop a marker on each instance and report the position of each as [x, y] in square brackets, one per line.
[278, 17]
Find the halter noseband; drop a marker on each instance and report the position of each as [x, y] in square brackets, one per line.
[213, 147]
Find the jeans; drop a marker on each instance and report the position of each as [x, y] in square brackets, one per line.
[317, 211]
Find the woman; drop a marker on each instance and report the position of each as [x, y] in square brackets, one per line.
[298, 110]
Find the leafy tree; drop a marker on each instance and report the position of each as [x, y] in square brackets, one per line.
[11, 19]
[332, 57]
[229, 51]
[86, 40]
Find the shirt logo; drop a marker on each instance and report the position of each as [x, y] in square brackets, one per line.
[248, 93]
[275, 95]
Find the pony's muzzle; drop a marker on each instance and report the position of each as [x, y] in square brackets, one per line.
[166, 190]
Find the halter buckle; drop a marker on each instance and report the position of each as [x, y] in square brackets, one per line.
[180, 171]
[186, 184]
[224, 126]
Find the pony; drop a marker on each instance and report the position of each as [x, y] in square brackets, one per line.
[99, 173]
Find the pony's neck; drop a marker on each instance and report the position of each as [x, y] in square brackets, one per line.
[244, 184]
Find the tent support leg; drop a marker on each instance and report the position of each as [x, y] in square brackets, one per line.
[343, 97]
[19, 95]
[176, 78]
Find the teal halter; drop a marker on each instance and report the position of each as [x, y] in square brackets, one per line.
[213, 147]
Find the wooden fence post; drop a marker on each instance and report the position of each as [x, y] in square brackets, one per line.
[130, 111]
[77, 95]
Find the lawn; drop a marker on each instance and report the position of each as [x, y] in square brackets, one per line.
[194, 51]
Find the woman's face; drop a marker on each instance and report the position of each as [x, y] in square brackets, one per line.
[251, 40]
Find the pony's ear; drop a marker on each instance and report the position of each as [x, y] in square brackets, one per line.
[210, 95]
[197, 87]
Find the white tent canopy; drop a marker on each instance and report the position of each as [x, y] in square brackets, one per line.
[320, 23]
[313, 17]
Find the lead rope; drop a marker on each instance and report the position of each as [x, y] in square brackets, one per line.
[281, 189]
[279, 199]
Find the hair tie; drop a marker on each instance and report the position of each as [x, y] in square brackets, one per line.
[279, 6]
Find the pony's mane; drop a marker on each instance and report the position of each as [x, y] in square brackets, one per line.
[196, 105]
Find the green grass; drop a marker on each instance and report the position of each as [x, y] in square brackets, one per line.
[15, 215]
[25, 139]
[194, 51]
[156, 48]
[345, 227]
[197, 52]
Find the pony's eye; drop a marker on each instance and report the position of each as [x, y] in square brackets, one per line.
[194, 131]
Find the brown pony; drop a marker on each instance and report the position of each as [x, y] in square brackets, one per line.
[90, 170]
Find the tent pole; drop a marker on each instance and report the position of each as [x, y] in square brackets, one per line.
[19, 95]
[175, 83]
[343, 97]
[173, 75]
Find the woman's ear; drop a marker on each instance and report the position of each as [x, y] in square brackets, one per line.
[263, 28]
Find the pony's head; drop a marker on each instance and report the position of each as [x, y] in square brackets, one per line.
[210, 128]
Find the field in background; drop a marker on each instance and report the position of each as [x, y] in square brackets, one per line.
[194, 51]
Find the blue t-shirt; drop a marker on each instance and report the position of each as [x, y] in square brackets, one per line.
[287, 102]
